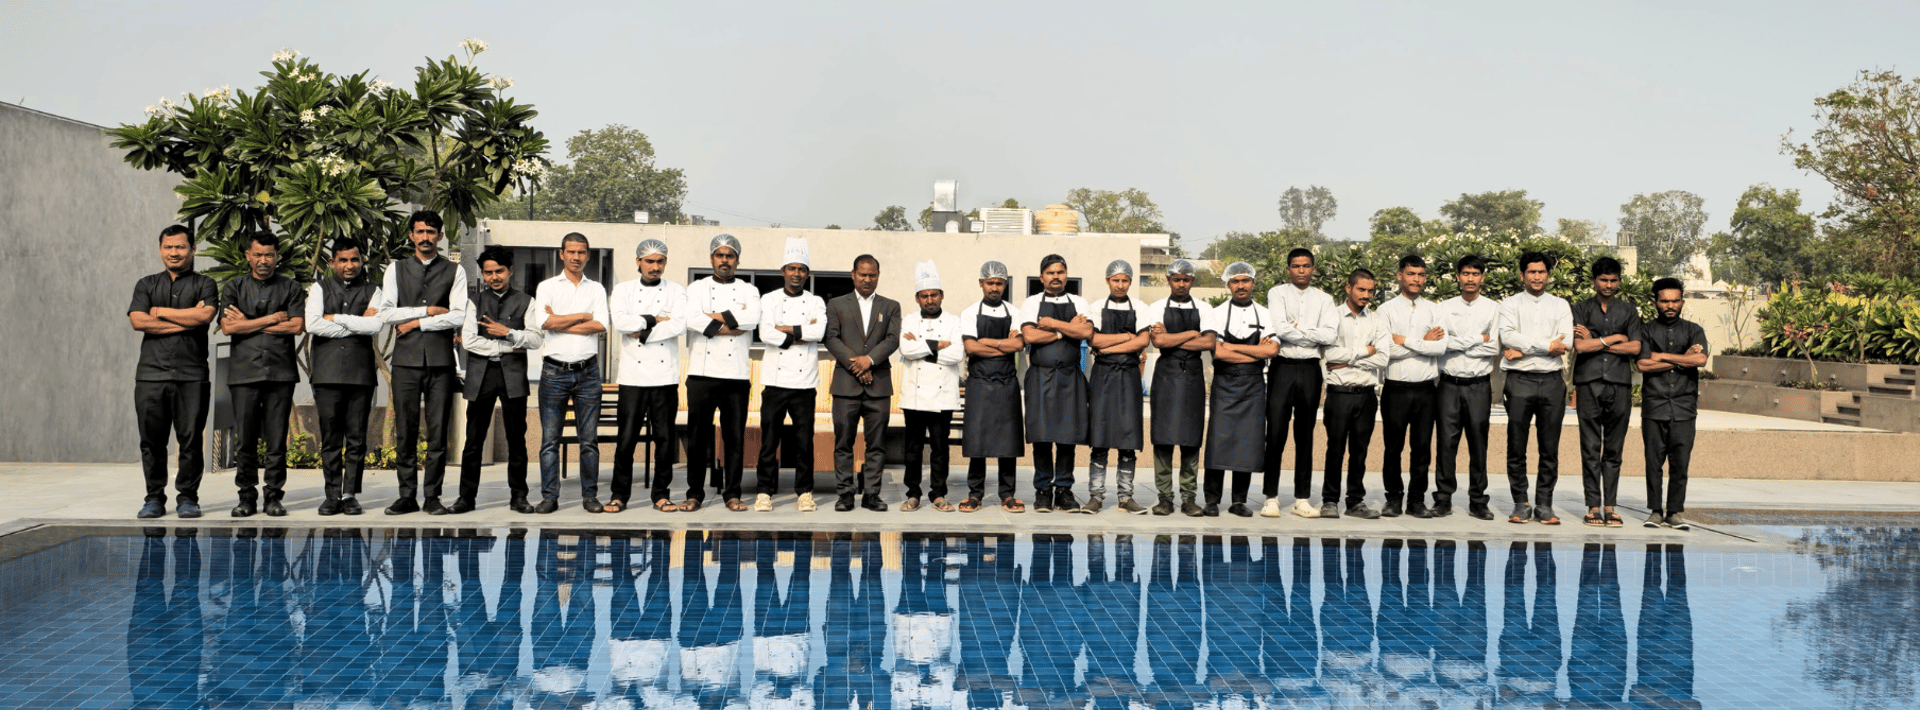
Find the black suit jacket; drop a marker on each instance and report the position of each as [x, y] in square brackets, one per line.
[846, 339]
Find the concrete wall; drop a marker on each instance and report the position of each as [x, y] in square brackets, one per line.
[77, 227]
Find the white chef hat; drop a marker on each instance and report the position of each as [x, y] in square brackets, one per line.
[1237, 269]
[926, 277]
[724, 240]
[796, 252]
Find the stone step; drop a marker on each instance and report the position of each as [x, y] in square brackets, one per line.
[1898, 381]
[1843, 421]
[1890, 390]
[1848, 411]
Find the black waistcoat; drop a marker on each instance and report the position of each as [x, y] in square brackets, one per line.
[420, 286]
[348, 360]
[510, 310]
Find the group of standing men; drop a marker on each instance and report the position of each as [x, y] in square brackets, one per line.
[1424, 366]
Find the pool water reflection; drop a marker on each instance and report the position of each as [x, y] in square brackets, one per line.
[482, 619]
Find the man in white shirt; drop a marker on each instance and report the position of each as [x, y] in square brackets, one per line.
[343, 321]
[1113, 390]
[424, 299]
[1054, 323]
[863, 329]
[1180, 388]
[649, 313]
[722, 312]
[1305, 320]
[993, 428]
[1408, 399]
[1355, 362]
[1466, 395]
[930, 352]
[497, 336]
[1236, 415]
[1536, 330]
[572, 310]
[793, 321]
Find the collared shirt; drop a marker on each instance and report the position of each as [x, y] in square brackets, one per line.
[1157, 313]
[565, 298]
[970, 319]
[1240, 322]
[930, 375]
[1530, 324]
[343, 325]
[1619, 318]
[1030, 308]
[1673, 395]
[649, 347]
[470, 338]
[1354, 332]
[792, 361]
[1468, 353]
[182, 356]
[715, 355]
[1418, 360]
[260, 356]
[866, 310]
[1099, 310]
[1306, 320]
[395, 315]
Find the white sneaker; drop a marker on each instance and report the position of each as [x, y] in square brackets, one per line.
[806, 504]
[1305, 509]
[1271, 509]
[763, 503]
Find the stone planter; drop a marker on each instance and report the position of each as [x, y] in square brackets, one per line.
[1774, 370]
[1769, 400]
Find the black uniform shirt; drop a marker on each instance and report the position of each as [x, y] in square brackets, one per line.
[182, 356]
[1673, 395]
[260, 356]
[1620, 318]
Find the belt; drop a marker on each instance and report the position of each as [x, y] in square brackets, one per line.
[1349, 389]
[1464, 381]
[571, 366]
[1296, 360]
[1397, 384]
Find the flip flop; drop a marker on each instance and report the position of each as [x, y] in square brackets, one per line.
[1555, 520]
[614, 506]
[665, 505]
[689, 505]
[1594, 519]
[1614, 521]
[736, 505]
[1013, 505]
[942, 505]
[909, 505]
[970, 505]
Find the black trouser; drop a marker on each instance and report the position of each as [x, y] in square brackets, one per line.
[977, 478]
[1052, 467]
[513, 418]
[934, 429]
[1465, 407]
[260, 412]
[1163, 472]
[1216, 477]
[1603, 411]
[1293, 398]
[870, 414]
[729, 397]
[1349, 421]
[1532, 396]
[1669, 443]
[438, 385]
[342, 411]
[786, 422]
[179, 409]
[653, 408]
[1407, 408]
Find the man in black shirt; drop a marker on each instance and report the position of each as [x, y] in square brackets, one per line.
[171, 309]
[1672, 351]
[262, 312]
[1606, 339]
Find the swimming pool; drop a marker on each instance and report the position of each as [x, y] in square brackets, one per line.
[361, 618]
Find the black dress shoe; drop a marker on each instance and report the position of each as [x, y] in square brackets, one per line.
[547, 505]
[462, 505]
[1164, 507]
[244, 509]
[187, 509]
[1361, 511]
[1212, 510]
[1480, 511]
[1419, 511]
[351, 506]
[1440, 510]
[1240, 509]
[275, 509]
[874, 504]
[519, 505]
[592, 505]
[433, 506]
[844, 504]
[1063, 500]
[403, 506]
[1192, 509]
[1390, 510]
[153, 509]
[330, 507]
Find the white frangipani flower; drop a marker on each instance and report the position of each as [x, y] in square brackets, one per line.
[333, 165]
[382, 86]
[153, 109]
[473, 46]
[502, 82]
[324, 110]
[306, 116]
[285, 54]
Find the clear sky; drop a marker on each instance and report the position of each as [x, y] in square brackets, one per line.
[810, 113]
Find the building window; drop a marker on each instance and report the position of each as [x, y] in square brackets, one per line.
[1034, 287]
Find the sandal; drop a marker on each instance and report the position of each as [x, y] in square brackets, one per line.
[1594, 519]
[909, 505]
[970, 505]
[689, 505]
[736, 505]
[665, 505]
[1555, 520]
[1614, 521]
[614, 506]
[942, 505]
[1013, 505]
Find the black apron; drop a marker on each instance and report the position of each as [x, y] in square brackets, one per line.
[1113, 385]
[991, 428]
[1056, 391]
[1179, 387]
[1238, 417]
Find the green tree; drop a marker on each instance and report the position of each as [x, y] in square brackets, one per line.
[1583, 231]
[1866, 143]
[892, 219]
[926, 218]
[1010, 203]
[832, 226]
[1128, 211]
[1503, 212]
[1770, 241]
[1308, 210]
[1666, 227]
[1395, 221]
[612, 174]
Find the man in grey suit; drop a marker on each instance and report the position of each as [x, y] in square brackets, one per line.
[863, 329]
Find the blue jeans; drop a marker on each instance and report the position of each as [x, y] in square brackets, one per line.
[557, 386]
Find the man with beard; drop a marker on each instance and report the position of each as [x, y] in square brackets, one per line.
[262, 311]
[1407, 400]
[1237, 420]
[171, 309]
[497, 336]
[1180, 387]
[649, 313]
[793, 321]
[1355, 362]
[993, 428]
[1466, 397]
[862, 330]
[1606, 340]
[341, 317]
[722, 312]
[422, 298]
[1113, 389]
[1672, 351]
[1535, 327]
[929, 385]
[1054, 323]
